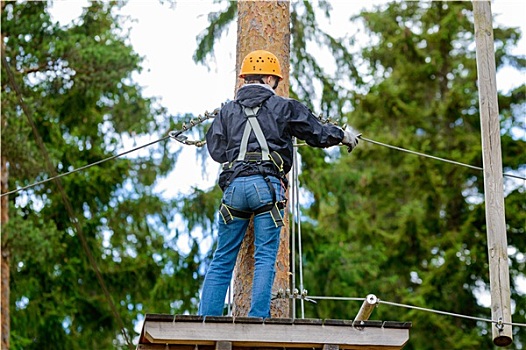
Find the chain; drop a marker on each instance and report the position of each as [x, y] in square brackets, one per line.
[329, 120]
[178, 135]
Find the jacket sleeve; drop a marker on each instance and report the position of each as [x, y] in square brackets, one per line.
[216, 140]
[306, 126]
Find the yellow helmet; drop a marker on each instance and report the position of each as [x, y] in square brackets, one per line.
[260, 62]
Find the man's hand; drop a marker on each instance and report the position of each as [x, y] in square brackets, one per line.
[350, 140]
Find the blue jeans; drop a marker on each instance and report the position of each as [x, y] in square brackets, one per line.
[247, 194]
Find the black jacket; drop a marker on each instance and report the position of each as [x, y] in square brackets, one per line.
[280, 119]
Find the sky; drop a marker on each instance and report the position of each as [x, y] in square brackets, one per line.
[166, 38]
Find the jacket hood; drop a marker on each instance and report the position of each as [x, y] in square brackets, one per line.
[252, 95]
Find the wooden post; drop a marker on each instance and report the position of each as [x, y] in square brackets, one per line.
[493, 178]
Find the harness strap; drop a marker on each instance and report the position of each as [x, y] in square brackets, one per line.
[255, 157]
[228, 213]
[253, 125]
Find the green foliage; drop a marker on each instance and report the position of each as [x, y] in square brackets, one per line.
[76, 83]
[219, 22]
[408, 229]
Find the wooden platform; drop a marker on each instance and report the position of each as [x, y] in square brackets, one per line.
[167, 332]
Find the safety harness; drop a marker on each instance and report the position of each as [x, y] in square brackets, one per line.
[227, 212]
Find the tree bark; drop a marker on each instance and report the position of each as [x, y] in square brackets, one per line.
[5, 260]
[263, 25]
[4, 216]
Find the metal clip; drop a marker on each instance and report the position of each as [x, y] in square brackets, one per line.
[295, 294]
[499, 324]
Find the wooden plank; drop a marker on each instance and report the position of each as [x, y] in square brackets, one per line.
[330, 347]
[334, 322]
[309, 321]
[223, 345]
[249, 320]
[279, 320]
[219, 319]
[188, 318]
[394, 324]
[159, 317]
[296, 335]
[170, 347]
[379, 324]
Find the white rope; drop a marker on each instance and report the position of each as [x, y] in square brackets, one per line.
[298, 223]
[292, 221]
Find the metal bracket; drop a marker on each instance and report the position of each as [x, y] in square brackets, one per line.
[295, 294]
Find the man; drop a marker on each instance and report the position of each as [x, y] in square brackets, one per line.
[252, 136]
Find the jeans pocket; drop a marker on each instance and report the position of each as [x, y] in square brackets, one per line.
[263, 192]
[228, 195]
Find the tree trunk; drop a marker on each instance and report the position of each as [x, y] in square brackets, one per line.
[5, 260]
[263, 25]
[4, 285]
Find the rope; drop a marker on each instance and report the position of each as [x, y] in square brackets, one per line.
[297, 222]
[65, 199]
[293, 215]
[198, 143]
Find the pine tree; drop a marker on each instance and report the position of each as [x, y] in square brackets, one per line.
[76, 83]
[408, 229]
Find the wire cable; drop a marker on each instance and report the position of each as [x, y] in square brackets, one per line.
[336, 298]
[433, 157]
[445, 313]
[84, 167]
[295, 145]
[450, 313]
